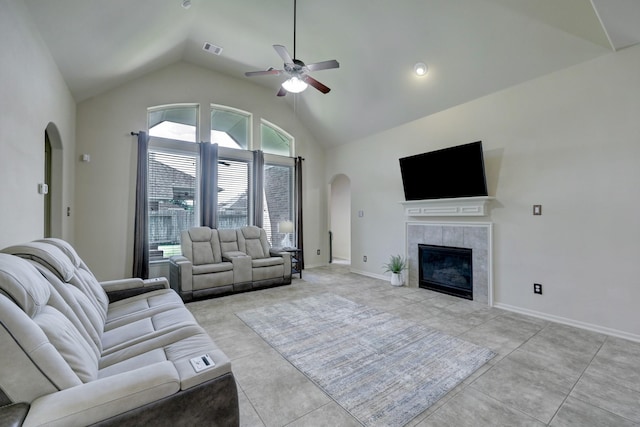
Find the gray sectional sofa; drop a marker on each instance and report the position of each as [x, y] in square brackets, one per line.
[220, 262]
[74, 352]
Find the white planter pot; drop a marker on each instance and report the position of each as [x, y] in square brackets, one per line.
[397, 279]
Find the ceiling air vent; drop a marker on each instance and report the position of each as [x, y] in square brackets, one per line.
[212, 48]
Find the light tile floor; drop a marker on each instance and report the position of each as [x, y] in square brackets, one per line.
[544, 374]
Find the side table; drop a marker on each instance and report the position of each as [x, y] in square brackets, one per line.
[296, 260]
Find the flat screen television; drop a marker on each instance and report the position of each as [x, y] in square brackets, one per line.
[447, 173]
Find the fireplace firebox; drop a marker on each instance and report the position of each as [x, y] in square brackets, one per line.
[446, 269]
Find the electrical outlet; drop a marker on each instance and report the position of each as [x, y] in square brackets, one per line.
[537, 288]
[364, 258]
[318, 252]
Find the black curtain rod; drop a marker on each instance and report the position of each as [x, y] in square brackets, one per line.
[134, 133]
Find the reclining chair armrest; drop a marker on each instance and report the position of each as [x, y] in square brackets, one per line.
[228, 256]
[180, 275]
[106, 397]
[135, 283]
[287, 261]
[242, 272]
[125, 288]
[278, 252]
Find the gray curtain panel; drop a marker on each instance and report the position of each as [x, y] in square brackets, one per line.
[209, 184]
[300, 240]
[258, 187]
[141, 229]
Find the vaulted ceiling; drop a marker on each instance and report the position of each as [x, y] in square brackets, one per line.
[472, 48]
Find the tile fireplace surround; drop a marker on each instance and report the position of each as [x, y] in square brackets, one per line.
[473, 235]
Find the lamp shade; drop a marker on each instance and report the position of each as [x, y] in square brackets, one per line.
[294, 85]
[285, 227]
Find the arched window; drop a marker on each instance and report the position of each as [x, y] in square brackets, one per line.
[278, 146]
[275, 140]
[177, 122]
[174, 174]
[230, 127]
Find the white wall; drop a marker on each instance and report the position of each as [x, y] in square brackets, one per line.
[105, 188]
[340, 211]
[569, 141]
[32, 95]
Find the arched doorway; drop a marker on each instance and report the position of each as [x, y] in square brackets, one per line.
[340, 219]
[53, 179]
[47, 181]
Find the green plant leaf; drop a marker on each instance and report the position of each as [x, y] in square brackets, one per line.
[396, 264]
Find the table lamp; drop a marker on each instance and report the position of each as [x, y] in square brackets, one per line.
[286, 227]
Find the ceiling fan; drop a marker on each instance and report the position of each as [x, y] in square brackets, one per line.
[297, 70]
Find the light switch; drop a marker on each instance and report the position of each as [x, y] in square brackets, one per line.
[537, 209]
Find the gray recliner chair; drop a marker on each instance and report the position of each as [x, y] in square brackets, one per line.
[268, 267]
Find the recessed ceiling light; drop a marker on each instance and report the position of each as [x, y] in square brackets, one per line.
[420, 68]
[186, 4]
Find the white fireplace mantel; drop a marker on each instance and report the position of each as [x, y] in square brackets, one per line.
[460, 206]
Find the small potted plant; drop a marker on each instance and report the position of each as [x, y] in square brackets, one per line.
[396, 265]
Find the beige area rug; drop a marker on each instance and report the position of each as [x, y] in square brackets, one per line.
[382, 369]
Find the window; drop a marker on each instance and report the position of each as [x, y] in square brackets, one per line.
[172, 200]
[278, 202]
[230, 127]
[176, 122]
[174, 175]
[275, 140]
[233, 193]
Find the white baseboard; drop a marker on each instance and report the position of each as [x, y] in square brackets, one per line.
[540, 315]
[314, 265]
[366, 273]
[351, 270]
[570, 322]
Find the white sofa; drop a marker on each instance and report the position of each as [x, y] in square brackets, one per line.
[73, 354]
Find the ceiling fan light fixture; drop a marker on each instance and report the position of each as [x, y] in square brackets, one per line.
[294, 85]
[420, 69]
[299, 79]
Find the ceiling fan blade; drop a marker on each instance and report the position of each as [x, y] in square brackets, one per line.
[282, 92]
[324, 65]
[263, 73]
[284, 54]
[313, 82]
